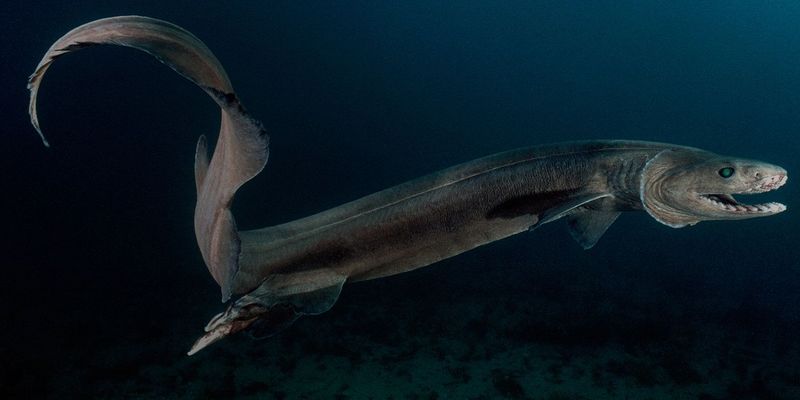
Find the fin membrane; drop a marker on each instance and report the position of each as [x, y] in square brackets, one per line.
[567, 207]
[288, 308]
[242, 148]
[273, 321]
[588, 226]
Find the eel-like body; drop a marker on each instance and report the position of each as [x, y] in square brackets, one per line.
[285, 271]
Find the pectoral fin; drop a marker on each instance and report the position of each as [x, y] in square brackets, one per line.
[588, 226]
[567, 207]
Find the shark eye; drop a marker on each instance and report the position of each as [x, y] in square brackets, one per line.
[726, 172]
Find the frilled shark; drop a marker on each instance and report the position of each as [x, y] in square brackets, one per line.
[281, 272]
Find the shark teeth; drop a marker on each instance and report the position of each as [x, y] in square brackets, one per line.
[728, 203]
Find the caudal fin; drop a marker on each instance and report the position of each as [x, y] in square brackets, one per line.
[242, 147]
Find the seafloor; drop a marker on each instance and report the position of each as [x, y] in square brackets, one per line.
[474, 331]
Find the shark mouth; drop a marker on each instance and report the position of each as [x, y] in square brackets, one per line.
[728, 203]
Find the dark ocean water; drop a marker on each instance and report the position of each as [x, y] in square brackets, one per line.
[104, 289]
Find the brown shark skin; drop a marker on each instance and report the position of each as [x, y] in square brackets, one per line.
[297, 268]
[444, 214]
[242, 147]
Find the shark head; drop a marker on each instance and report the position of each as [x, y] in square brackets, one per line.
[682, 187]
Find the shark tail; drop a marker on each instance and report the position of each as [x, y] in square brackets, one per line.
[242, 147]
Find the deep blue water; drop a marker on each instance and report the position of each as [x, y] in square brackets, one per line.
[98, 247]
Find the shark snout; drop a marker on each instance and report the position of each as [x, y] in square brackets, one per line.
[769, 178]
[772, 182]
[765, 178]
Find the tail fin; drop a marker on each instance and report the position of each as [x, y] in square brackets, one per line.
[242, 147]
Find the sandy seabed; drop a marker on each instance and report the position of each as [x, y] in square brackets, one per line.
[457, 331]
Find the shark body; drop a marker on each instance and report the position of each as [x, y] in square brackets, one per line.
[282, 272]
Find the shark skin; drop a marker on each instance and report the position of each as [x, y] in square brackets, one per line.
[282, 272]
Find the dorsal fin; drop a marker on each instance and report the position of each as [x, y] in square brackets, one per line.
[588, 226]
[200, 162]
